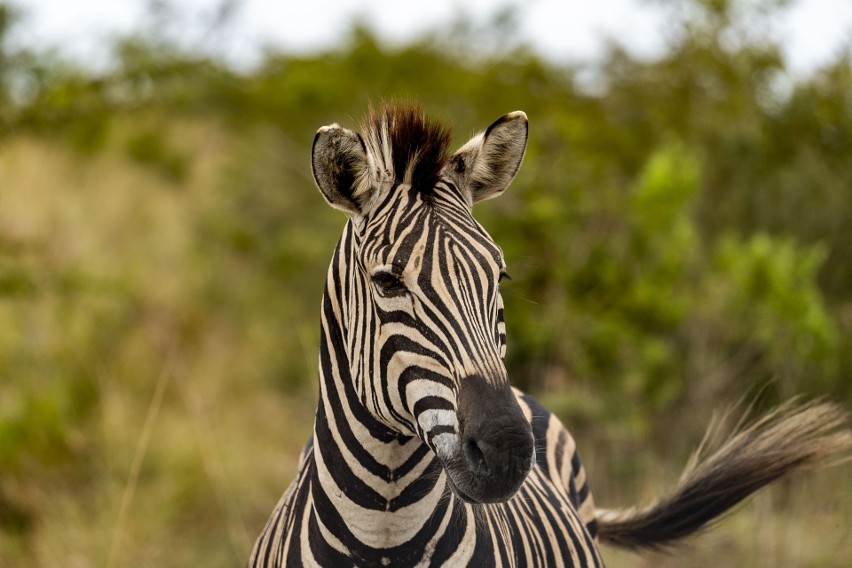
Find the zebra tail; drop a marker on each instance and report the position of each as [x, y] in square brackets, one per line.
[791, 437]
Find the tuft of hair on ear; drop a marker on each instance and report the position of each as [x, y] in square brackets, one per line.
[407, 146]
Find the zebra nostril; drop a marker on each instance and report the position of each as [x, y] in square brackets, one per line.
[475, 458]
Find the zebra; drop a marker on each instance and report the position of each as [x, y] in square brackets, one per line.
[422, 453]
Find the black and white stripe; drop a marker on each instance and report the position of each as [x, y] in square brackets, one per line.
[422, 453]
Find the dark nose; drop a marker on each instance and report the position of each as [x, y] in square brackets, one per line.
[497, 440]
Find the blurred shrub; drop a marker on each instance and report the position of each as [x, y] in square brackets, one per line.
[646, 296]
[150, 148]
[774, 297]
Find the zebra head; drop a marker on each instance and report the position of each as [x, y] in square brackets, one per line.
[415, 281]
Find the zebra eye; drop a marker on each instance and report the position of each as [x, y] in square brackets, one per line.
[387, 282]
[504, 276]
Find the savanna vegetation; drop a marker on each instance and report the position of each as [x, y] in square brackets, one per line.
[679, 240]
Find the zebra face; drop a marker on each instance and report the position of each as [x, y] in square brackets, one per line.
[423, 316]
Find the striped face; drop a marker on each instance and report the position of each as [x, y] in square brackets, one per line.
[422, 316]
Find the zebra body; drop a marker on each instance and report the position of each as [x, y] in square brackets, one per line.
[422, 454]
[548, 523]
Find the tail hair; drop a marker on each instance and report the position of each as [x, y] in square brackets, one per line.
[790, 438]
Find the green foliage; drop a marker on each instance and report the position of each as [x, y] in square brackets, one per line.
[773, 291]
[150, 148]
[44, 395]
[642, 296]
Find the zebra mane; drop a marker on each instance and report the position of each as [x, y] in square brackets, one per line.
[406, 145]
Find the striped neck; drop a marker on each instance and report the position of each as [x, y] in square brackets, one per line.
[373, 487]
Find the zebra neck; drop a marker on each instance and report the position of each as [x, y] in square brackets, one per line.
[369, 479]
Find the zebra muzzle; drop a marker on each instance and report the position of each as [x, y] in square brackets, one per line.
[496, 449]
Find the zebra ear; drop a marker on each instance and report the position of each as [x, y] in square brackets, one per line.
[488, 162]
[341, 168]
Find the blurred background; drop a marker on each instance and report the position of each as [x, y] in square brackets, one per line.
[679, 238]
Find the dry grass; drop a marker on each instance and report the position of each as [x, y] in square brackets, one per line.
[800, 523]
[176, 471]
